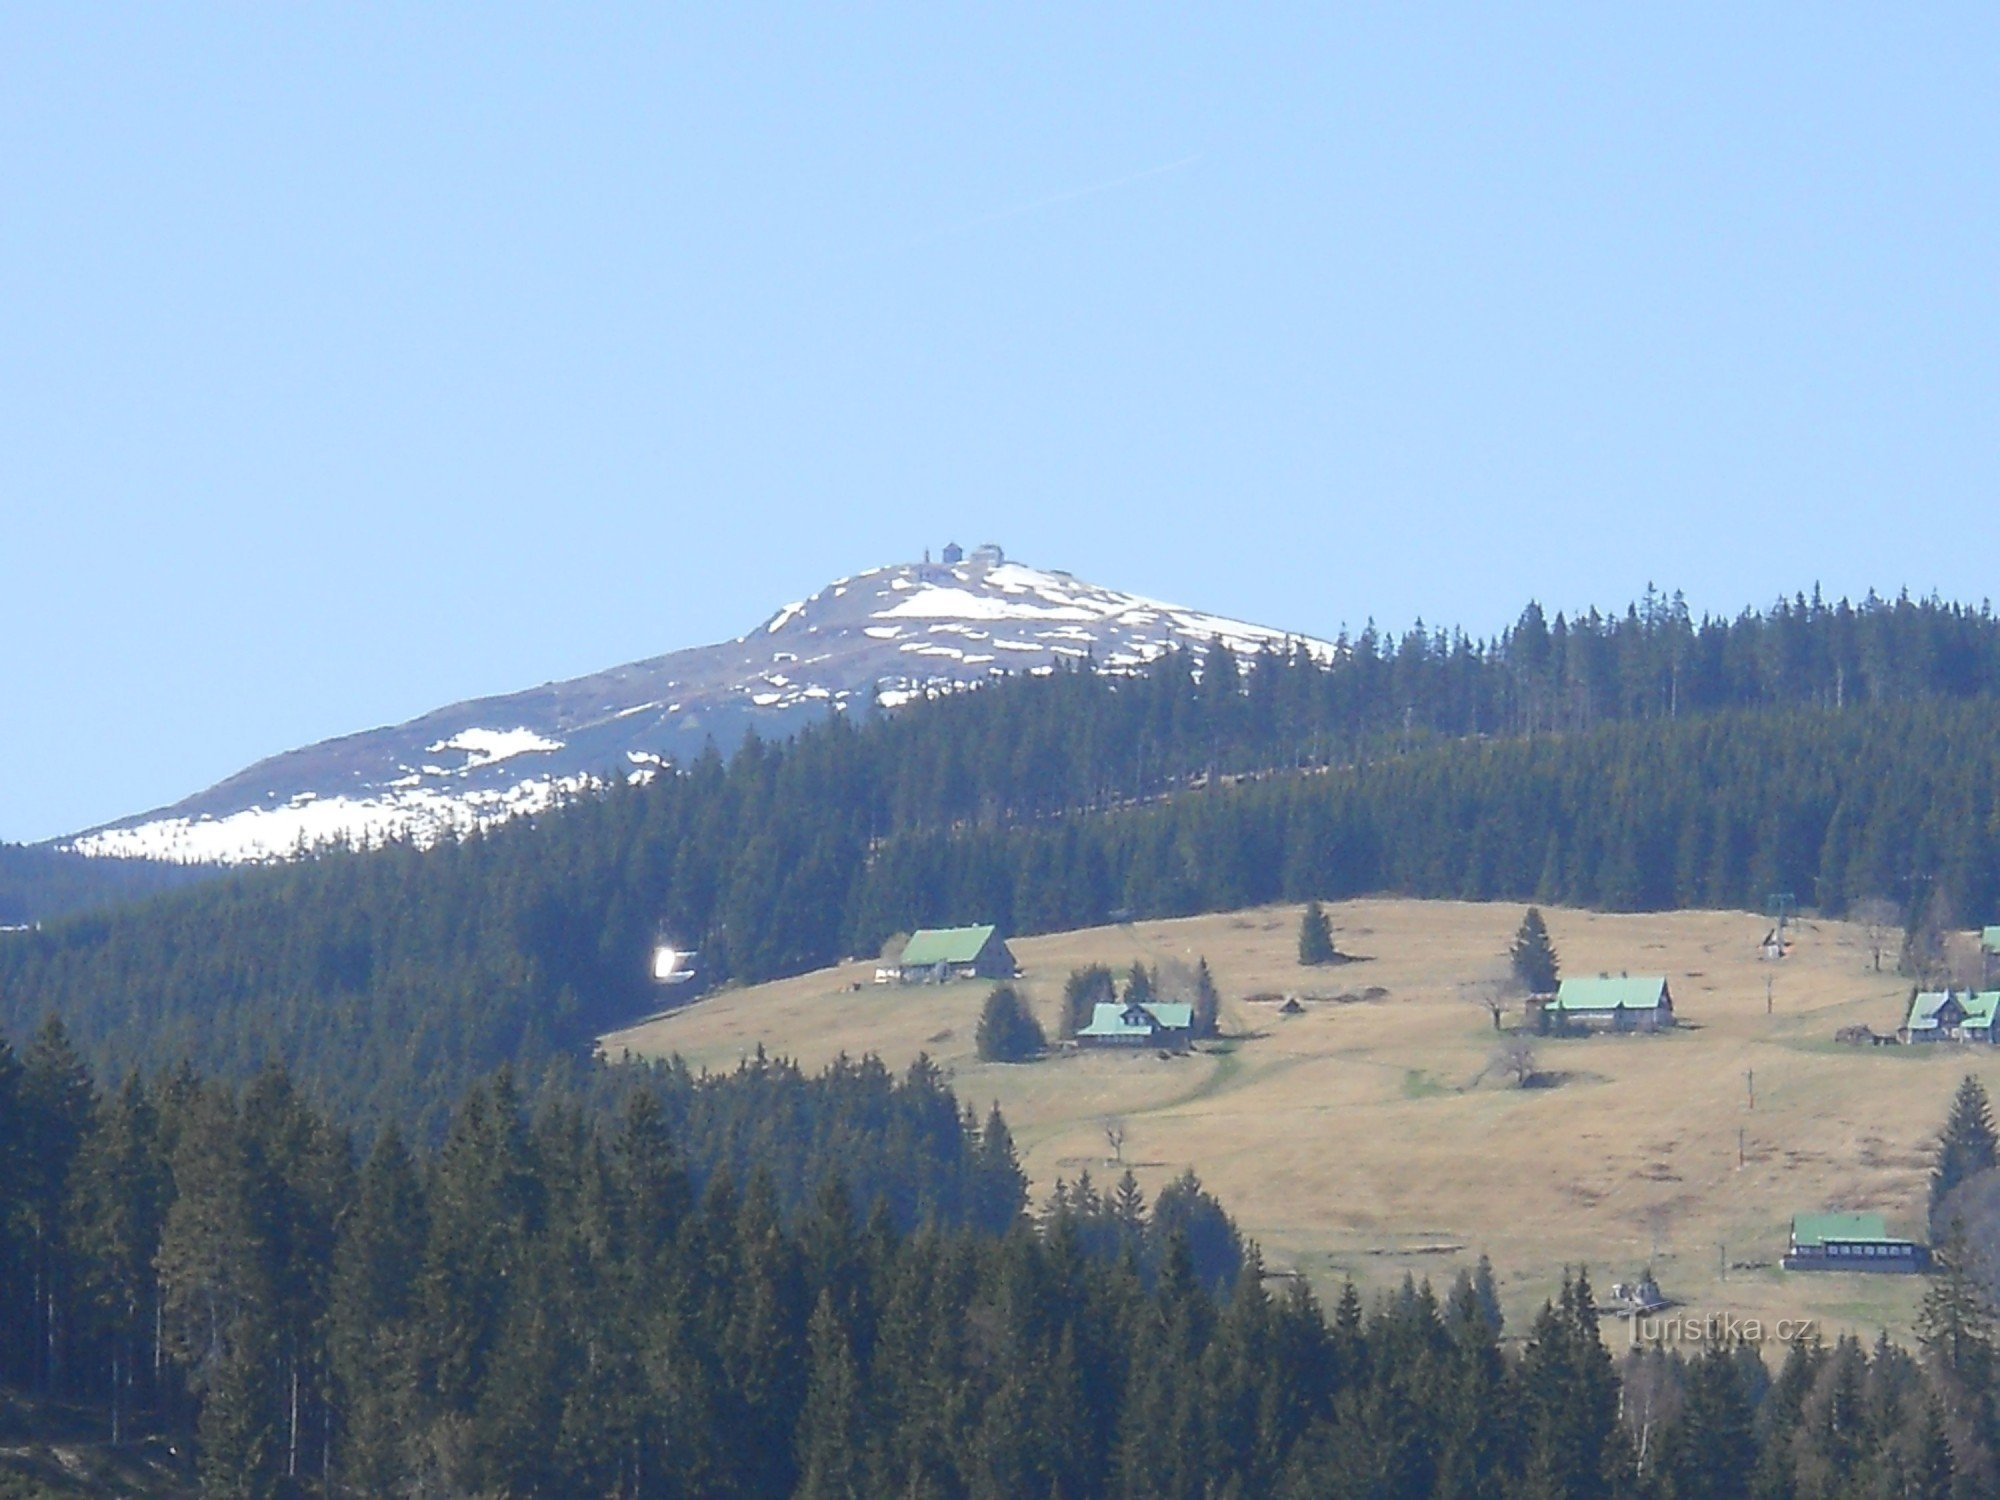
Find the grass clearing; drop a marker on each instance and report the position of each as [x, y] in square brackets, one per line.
[1373, 1137]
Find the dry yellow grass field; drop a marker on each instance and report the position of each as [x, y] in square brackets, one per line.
[1367, 1138]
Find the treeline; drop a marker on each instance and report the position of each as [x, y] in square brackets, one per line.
[388, 980]
[1088, 739]
[552, 1303]
[1899, 802]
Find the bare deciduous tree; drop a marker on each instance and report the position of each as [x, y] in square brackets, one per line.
[1493, 993]
[1114, 1137]
[1879, 918]
[1515, 1057]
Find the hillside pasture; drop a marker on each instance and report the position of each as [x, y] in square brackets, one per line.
[1376, 1133]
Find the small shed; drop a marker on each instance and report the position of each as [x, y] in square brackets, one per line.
[1850, 1242]
[936, 954]
[1631, 1002]
[1951, 1016]
[1138, 1023]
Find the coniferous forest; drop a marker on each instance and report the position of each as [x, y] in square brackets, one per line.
[1640, 761]
[362, 1217]
[584, 1294]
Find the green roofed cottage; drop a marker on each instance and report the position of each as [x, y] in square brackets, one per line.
[936, 954]
[1850, 1242]
[1951, 1016]
[1631, 1002]
[1138, 1023]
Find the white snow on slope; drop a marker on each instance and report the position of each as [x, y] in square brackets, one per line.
[307, 822]
[485, 746]
[891, 634]
[940, 603]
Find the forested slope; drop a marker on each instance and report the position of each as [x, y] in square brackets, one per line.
[564, 1302]
[1634, 762]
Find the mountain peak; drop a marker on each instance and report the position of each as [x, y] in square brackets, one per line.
[889, 634]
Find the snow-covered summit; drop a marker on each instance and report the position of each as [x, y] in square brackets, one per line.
[891, 633]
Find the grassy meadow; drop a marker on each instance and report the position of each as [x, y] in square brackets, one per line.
[1368, 1137]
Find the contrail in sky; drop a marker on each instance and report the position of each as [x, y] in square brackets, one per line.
[1071, 196]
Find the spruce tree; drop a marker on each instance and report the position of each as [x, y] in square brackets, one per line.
[832, 1427]
[1207, 1001]
[1711, 1452]
[1533, 955]
[1139, 985]
[1008, 1031]
[1955, 1323]
[1966, 1147]
[1083, 992]
[1316, 936]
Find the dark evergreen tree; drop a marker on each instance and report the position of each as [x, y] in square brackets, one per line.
[1710, 1453]
[1008, 1030]
[1955, 1323]
[1139, 986]
[1966, 1147]
[1207, 1001]
[832, 1433]
[1533, 955]
[1083, 992]
[1316, 936]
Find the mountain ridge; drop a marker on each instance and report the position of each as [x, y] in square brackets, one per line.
[880, 637]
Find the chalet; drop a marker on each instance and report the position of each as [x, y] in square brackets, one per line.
[1631, 1002]
[936, 954]
[1139, 1023]
[1951, 1016]
[1850, 1242]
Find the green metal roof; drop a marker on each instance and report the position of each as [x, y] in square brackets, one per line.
[1810, 1230]
[1979, 1008]
[945, 945]
[1628, 992]
[1107, 1018]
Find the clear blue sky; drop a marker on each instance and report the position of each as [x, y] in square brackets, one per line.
[359, 361]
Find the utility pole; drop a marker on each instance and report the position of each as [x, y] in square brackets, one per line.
[1739, 1148]
[1750, 1084]
[1767, 994]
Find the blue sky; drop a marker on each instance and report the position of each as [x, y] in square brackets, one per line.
[358, 361]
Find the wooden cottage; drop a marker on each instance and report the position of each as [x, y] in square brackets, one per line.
[936, 954]
[1850, 1242]
[1139, 1023]
[1631, 1002]
[1951, 1016]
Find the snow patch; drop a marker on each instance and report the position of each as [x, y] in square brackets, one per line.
[483, 747]
[260, 834]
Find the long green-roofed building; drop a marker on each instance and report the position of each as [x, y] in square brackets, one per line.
[1850, 1242]
[1630, 1002]
[936, 954]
